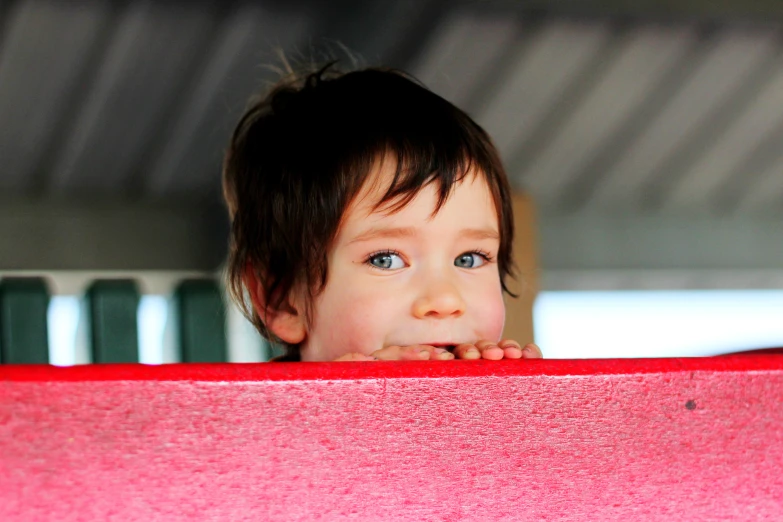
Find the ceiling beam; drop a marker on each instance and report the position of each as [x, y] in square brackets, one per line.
[587, 241]
[109, 236]
[189, 236]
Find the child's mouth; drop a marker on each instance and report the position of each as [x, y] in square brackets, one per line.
[447, 346]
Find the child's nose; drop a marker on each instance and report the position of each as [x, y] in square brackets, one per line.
[439, 300]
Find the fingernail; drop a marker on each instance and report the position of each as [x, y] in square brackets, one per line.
[424, 354]
[473, 351]
[445, 356]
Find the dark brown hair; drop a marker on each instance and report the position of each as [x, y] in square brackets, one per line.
[300, 155]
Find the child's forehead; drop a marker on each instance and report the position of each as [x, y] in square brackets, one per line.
[369, 200]
[376, 185]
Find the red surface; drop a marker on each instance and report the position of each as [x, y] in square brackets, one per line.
[665, 439]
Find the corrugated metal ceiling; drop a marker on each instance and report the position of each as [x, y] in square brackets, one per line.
[137, 100]
[658, 117]
[624, 116]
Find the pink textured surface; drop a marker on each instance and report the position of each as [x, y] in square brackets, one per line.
[664, 439]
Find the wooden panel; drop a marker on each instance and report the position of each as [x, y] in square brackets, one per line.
[519, 311]
[23, 332]
[659, 439]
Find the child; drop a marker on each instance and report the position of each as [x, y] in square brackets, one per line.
[371, 220]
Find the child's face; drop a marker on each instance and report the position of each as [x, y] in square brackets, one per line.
[407, 277]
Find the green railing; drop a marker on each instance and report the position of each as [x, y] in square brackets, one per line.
[110, 307]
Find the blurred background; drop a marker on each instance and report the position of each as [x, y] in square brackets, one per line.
[649, 133]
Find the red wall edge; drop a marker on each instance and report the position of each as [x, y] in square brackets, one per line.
[661, 439]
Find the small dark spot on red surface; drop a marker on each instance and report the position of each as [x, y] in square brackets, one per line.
[691, 405]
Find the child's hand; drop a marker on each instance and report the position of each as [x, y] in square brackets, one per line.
[415, 352]
[505, 349]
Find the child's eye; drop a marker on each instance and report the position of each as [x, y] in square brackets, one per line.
[386, 261]
[471, 259]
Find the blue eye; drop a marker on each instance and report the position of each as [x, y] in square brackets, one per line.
[470, 260]
[386, 261]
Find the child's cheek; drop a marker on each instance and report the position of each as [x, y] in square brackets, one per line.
[495, 320]
[371, 319]
[492, 314]
[351, 322]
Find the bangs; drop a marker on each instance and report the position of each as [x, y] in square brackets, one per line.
[419, 165]
[428, 139]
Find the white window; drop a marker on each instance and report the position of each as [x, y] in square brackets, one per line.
[597, 324]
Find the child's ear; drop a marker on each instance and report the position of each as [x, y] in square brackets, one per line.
[286, 322]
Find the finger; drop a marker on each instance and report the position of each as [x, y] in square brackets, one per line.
[389, 353]
[416, 352]
[511, 349]
[442, 354]
[349, 357]
[489, 350]
[532, 351]
[424, 352]
[467, 351]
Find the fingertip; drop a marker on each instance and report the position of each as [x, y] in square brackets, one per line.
[512, 352]
[355, 357]
[532, 351]
[470, 353]
[492, 354]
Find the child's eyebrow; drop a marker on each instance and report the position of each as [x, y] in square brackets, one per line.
[398, 232]
[480, 233]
